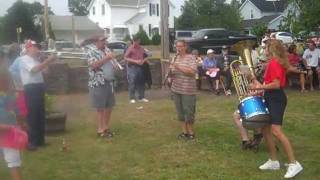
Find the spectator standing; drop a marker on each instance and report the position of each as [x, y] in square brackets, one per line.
[135, 56]
[8, 112]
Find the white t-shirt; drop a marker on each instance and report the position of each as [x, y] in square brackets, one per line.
[28, 77]
[312, 57]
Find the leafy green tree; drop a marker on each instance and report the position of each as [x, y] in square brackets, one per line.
[198, 14]
[259, 30]
[79, 7]
[22, 14]
[303, 18]
[156, 39]
[142, 35]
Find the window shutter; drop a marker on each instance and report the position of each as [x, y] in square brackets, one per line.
[150, 11]
[158, 10]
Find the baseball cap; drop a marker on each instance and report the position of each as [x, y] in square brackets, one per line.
[210, 51]
[224, 47]
[311, 42]
[30, 43]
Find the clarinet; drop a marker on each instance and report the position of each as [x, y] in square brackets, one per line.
[167, 78]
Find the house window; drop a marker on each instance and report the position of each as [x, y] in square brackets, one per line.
[94, 10]
[103, 9]
[158, 10]
[150, 29]
[251, 14]
[152, 9]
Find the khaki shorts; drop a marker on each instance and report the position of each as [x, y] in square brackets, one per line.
[185, 106]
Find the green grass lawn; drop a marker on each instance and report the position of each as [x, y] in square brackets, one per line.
[146, 147]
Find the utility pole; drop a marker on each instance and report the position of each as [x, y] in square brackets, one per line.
[46, 20]
[73, 33]
[165, 29]
[164, 25]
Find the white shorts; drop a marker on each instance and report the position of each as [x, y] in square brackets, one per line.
[12, 157]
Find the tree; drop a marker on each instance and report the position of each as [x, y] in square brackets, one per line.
[259, 30]
[79, 7]
[22, 14]
[142, 35]
[198, 14]
[303, 18]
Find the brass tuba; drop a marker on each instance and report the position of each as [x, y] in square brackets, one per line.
[239, 77]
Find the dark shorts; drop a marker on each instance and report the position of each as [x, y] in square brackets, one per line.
[102, 96]
[185, 106]
[276, 102]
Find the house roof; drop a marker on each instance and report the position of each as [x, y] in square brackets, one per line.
[270, 6]
[137, 3]
[127, 3]
[81, 23]
[264, 20]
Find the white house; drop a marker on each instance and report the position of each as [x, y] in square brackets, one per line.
[122, 17]
[83, 28]
[269, 12]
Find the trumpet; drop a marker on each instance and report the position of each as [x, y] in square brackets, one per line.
[77, 55]
[64, 54]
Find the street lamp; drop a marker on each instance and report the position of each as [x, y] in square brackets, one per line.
[19, 31]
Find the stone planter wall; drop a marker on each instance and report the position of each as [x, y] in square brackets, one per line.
[62, 78]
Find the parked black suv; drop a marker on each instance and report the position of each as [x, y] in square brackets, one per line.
[215, 38]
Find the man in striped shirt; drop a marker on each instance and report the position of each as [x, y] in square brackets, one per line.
[184, 89]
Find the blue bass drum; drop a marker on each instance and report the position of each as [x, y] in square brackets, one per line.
[253, 112]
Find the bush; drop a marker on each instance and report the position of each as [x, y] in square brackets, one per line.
[142, 35]
[156, 39]
[127, 38]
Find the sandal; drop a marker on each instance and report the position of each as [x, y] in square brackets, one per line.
[191, 136]
[183, 136]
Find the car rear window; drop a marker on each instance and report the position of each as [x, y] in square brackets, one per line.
[184, 34]
[285, 34]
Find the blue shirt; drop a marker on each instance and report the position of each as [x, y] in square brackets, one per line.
[15, 73]
[209, 63]
[8, 109]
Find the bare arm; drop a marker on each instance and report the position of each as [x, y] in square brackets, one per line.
[275, 84]
[98, 64]
[42, 66]
[186, 70]
[126, 57]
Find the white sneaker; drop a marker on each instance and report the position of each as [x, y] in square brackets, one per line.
[132, 101]
[229, 93]
[293, 169]
[270, 165]
[143, 100]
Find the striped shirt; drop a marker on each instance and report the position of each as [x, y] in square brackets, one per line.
[184, 83]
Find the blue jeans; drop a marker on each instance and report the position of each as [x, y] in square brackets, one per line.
[136, 81]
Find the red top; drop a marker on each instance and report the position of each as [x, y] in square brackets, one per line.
[136, 53]
[293, 58]
[274, 71]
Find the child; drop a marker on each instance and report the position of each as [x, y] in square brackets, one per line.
[8, 118]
